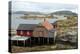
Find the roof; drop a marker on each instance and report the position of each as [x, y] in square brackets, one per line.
[29, 26]
[26, 26]
[47, 25]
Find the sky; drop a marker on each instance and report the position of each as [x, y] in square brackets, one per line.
[42, 7]
[39, 7]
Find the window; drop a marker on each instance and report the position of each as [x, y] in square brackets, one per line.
[28, 33]
[21, 32]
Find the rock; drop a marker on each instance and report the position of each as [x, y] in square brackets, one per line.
[73, 38]
[70, 36]
[53, 47]
[64, 38]
[71, 33]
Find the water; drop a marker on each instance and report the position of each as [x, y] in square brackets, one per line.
[16, 20]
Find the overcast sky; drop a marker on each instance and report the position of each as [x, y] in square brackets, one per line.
[42, 7]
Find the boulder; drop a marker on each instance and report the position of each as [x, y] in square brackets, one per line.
[70, 37]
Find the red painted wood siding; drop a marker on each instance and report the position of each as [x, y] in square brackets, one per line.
[18, 32]
[24, 33]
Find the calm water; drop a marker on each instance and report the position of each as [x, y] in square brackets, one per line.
[16, 20]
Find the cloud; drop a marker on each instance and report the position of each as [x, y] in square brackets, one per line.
[41, 7]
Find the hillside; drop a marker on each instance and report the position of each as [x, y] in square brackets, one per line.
[66, 13]
[68, 25]
[27, 12]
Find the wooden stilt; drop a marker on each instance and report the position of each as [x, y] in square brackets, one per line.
[34, 41]
[30, 41]
[17, 42]
[39, 40]
[48, 40]
[24, 43]
[43, 40]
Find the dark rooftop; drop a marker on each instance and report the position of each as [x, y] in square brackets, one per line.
[29, 26]
[26, 26]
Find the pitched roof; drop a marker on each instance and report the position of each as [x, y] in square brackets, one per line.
[26, 26]
[30, 26]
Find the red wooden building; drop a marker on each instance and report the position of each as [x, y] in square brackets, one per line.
[29, 34]
[29, 29]
[26, 29]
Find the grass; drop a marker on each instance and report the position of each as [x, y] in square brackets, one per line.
[51, 47]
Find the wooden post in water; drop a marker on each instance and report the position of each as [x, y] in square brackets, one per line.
[38, 40]
[43, 40]
[30, 41]
[17, 42]
[48, 37]
[24, 43]
[33, 40]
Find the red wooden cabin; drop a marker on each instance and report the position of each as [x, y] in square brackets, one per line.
[26, 29]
